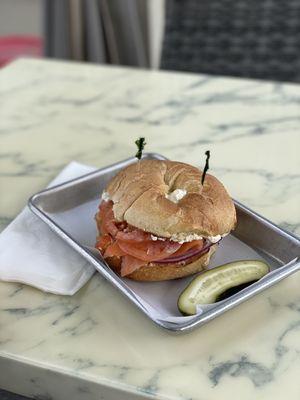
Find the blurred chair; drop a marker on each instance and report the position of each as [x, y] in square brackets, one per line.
[15, 46]
[247, 38]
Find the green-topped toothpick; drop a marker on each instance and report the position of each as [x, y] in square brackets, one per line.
[207, 153]
[140, 142]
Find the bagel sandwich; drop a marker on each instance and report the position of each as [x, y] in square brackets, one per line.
[156, 220]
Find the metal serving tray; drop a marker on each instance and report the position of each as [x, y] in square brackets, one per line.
[60, 206]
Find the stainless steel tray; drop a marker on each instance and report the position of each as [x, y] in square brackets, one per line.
[60, 206]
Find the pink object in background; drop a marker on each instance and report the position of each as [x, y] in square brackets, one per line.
[12, 47]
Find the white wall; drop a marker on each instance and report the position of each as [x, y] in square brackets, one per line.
[156, 15]
[20, 17]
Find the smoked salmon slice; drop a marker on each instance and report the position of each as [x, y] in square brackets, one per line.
[135, 246]
[130, 264]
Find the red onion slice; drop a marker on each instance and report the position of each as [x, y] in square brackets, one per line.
[189, 254]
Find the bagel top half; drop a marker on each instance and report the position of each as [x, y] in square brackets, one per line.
[141, 197]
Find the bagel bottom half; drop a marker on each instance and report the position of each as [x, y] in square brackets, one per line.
[162, 272]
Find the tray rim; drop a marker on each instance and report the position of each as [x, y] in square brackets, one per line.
[118, 282]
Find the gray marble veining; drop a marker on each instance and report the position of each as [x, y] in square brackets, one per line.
[95, 345]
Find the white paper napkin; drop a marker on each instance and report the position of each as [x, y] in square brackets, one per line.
[31, 253]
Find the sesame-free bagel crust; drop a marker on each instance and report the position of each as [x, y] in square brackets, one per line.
[139, 196]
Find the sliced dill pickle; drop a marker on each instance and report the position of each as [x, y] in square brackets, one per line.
[209, 286]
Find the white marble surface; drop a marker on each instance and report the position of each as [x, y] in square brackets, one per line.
[96, 345]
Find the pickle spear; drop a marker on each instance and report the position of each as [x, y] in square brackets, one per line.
[209, 285]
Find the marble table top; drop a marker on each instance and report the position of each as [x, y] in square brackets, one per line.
[95, 344]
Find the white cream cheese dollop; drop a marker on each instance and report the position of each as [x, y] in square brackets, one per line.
[185, 237]
[105, 196]
[189, 237]
[214, 239]
[154, 238]
[176, 195]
